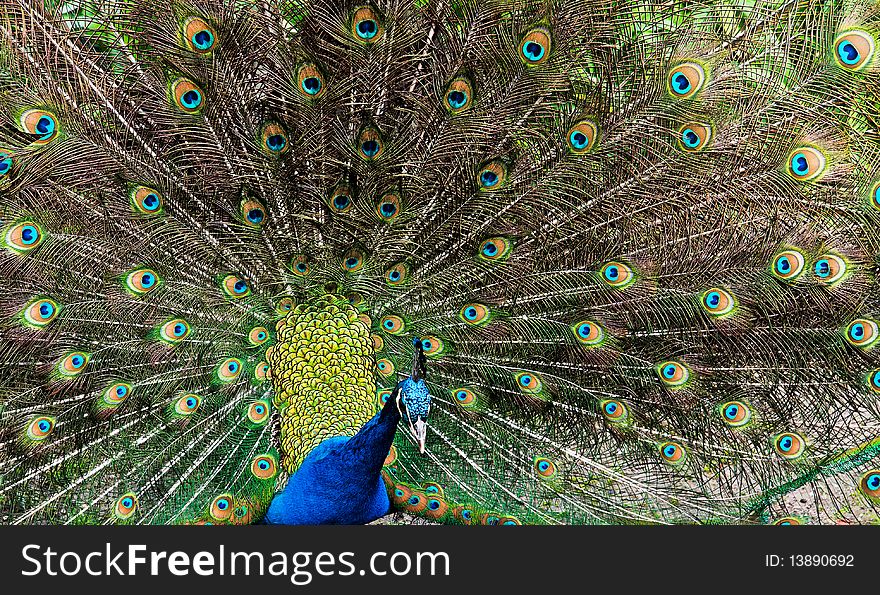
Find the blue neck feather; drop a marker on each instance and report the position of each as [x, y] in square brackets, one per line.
[339, 482]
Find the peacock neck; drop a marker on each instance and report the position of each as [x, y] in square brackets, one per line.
[339, 481]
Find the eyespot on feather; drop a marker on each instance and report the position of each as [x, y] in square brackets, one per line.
[125, 506]
[340, 200]
[673, 374]
[229, 369]
[174, 331]
[366, 26]
[142, 281]
[40, 123]
[789, 446]
[253, 213]
[264, 466]
[672, 453]
[221, 507]
[613, 410]
[116, 394]
[39, 428]
[146, 200]
[24, 237]
[40, 312]
[465, 397]
[694, 137]
[588, 333]
[529, 382]
[187, 96]
[73, 364]
[545, 468]
[869, 484]
[535, 46]
[475, 314]
[492, 176]
[388, 207]
[686, 80]
[397, 274]
[432, 346]
[385, 366]
[829, 269]
[788, 265]
[273, 139]
[299, 265]
[459, 95]
[581, 137]
[352, 261]
[370, 145]
[617, 274]
[258, 335]
[861, 333]
[854, 50]
[310, 82]
[735, 413]
[258, 412]
[235, 287]
[717, 302]
[187, 404]
[806, 163]
[495, 249]
[199, 36]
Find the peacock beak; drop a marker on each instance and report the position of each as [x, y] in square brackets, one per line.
[420, 430]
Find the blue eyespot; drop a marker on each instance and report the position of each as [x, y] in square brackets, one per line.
[669, 450]
[584, 329]
[232, 367]
[191, 99]
[29, 235]
[680, 83]
[191, 403]
[690, 138]
[543, 466]
[263, 464]
[179, 330]
[367, 29]
[388, 209]
[731, 411]
[533, 51]
[223, 504]
[150, 202]
[370, 147]
[848, 53]
[413, 500]
[311, 85]
[127, 502]
[799, 164]
[340, 201]
[147, 280]
[611, 408]
[399, 493]
[203, 39]
[121, 390]
[669, 371]
[426, 345]
[857, 331]
[77, 361]
[44, 426]
[470, 313]
[260, 410]
[466, 514]
[46, 309]
[255, 215]
[785, 443]
[873, 481]
[457, 99]
[394, 275]
[488, 178]
[276, 142]
[612, 273]
[525, 380]
[240, 286]
[490, 249]
[5, 163]
[45, 127]
[433, 504]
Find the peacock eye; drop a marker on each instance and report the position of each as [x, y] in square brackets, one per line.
[274, 139]
[528, 382]
[673, 374]
[475, 314]
[806, 163]
[366, 25]
[199, 35]
[264, 466]
[116, 393]
[582, 137]
[735, 413]
[261, 371]
[370, 143]
[258, 412]
[221, 507]
[229, 369]
[40, 312]
[672, 452]
[311, 81]
[125, 506]
[39, 428]
[458, 95]
[258, 335]
[613, 410]
[829, 268]
[235, 287]
[187, 404]
[24, 237]
[545, 468]
[788, 265]
[465, 397]
[147, 201]
[73, 363]
[388, 207]
[495, 249]
[432, 345]
[39, 123]
[174, 330]
[141, 281]
[492, 176]
[385, 366]
[862, 332]
[588, 333]
[253, 213]
[7, 161]
[854, 49]
[353, 261]
[875, 195]
[617, 274]
[870, 484]
[874, 380]
[717, 302]
[187, 96]
[535, 46]
[397, 274]
[694, 137]
[285, 305]
[685, 80]
[340, 200]
[789, 445]
[299, 264]
[382, 396]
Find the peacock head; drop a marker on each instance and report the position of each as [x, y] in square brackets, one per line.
[414, 400]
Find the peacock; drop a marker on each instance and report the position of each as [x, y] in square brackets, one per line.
[474, 262]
